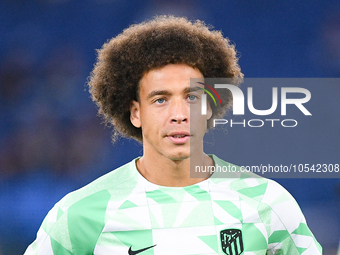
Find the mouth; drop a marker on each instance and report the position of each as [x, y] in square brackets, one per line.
[179, 137]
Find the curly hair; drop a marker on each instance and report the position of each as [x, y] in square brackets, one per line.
[123, 60]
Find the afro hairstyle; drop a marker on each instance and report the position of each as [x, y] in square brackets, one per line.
[123, 60]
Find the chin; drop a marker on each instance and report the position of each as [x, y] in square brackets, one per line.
[179, 156]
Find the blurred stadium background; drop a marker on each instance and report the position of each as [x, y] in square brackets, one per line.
[52, 142]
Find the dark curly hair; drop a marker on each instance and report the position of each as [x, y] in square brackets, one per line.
[123, 60]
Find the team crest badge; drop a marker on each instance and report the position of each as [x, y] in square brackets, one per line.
[231, 241]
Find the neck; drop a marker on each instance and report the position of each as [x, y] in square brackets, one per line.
[172, 173]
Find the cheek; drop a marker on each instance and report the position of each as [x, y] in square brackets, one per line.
[198, 119]
[198, 124]
[150, 122]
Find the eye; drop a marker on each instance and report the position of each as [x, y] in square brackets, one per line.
[192, 97]
[160, 101]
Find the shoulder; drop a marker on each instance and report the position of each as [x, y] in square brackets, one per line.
[248, 183]
[122, 178]
[266, 196]
[286, 227]
[80, 215]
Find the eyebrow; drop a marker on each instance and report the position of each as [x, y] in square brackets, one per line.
[157, 93]
[167, 93]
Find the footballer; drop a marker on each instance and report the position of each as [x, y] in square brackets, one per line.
[141, 85]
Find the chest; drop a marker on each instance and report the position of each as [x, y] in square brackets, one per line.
[182, 222]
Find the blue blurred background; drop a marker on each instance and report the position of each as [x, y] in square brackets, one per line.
[52, 142]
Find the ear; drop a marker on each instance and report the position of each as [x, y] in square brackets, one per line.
[135, 114]
[209, 110]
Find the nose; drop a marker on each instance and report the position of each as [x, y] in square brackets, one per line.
[179, 111]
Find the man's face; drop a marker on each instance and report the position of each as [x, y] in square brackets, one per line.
[169, 112]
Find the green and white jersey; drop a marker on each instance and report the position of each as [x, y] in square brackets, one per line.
[123, 213]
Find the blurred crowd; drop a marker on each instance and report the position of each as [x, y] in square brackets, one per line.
[51, 139]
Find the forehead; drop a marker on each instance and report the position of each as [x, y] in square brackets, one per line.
[169, 77]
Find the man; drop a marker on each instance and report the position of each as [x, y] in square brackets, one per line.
[141, 84]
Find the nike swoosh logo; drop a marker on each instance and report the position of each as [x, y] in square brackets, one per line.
[131, 252]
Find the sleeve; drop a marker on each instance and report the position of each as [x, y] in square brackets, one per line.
[73, 226]
[288, 230]
[48, 241]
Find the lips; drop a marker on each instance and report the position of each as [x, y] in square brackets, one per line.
[179, 137]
